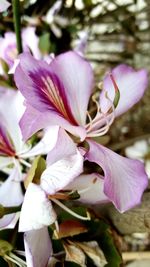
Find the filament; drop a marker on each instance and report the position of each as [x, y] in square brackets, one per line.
[25, 163]
[70, 211]
[102, 121]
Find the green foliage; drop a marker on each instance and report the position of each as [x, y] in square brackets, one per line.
[97, 229]
[44, 43]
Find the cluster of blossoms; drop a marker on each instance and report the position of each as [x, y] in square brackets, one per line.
[53, 95]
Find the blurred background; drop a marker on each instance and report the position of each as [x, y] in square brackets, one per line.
[107, 32]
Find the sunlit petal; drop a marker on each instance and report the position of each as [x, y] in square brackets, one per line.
[64, 164]
[4, 5]
[131, 84]
[37, 210]
[125, 179]
[10, 195]
[90, 188]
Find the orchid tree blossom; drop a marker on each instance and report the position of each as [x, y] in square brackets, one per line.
[58, 94]
[37, 211]
[8, 46]
[4, 5]
[14, 151]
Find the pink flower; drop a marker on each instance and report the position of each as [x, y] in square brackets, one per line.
[37, 211]
[14, 151]
[8, 46]
[58, 94]
[4, 5]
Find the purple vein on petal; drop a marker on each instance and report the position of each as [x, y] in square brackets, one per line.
[6, 147]
[52, 93]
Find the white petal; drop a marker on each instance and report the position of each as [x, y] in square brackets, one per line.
[65, 163]
[10, 195]
[90, 188]
[61, 173]
[31, 40]
[5, 161]
[147, 167]
[37, 210]
[138, 150]
[13, 100]
[13, 68]
[38, 247]
[4, 5]
[46, 144]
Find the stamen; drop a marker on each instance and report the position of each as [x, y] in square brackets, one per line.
[101, 122]
[20, 252]
[70, 211]
[19, 262]
[25, 163]
[27, 149]
[96, 102]
[17, 258]
[84, 190]
[57, 226]
[90, 119]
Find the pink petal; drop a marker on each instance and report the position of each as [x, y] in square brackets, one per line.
[36, 211]
[125, 179]
[8, 48]
[10, 195]
[64, 164]
[77, 77]
[38, 247]
[31, 40]
[15, 108]
[46, 94]
[90, 188]
[4, 5]
[65, 147]
[131, 83]
[33, 121]
[42, 88]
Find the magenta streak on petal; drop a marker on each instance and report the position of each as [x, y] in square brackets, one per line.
[52, 92]
[6, 147]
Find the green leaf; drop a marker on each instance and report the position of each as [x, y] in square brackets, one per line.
[44, 43]
[108, 246]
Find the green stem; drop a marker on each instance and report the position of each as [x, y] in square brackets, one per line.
[17, 24]
[14, 209]
[8, 210]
